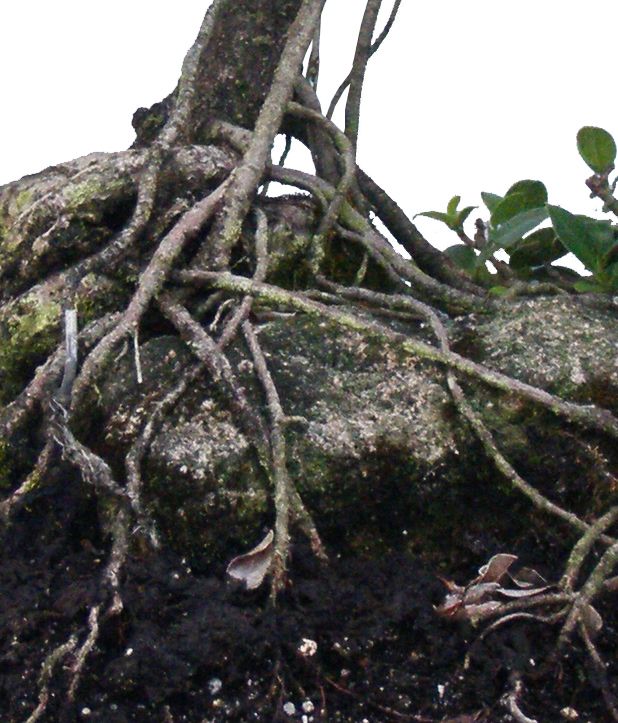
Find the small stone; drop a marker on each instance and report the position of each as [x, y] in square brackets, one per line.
[307, 647]
[214, 686]
[86, 711]
[569, 713]
[308, 707]
[289, 708]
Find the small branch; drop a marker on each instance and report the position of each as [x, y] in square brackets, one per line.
[593, 586]
[15, 500]
[459, 301]
[599, 187]
[429, 259]
[135, 456]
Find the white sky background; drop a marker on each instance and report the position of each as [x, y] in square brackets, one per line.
[462, 97]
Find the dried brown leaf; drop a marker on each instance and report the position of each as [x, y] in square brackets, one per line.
[251, 568]
[528, 577]
[510, 592]
[496, 568]
[480, 591]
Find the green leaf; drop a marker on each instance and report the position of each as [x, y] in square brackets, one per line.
[438, 216]
[534, 191]
[608, 278]
[590, 240]
[463, 215]
[507, 233]
[521, 196]
[463, 257]
[499, 290]
[541, 247]
[507, 208]
[451, 208]
[491, 200]
[587, 285]
[597, 147]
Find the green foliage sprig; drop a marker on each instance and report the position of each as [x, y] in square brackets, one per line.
[517, 224]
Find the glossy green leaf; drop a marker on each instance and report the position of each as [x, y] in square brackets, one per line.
[507, 233]
[491, 200]
[534, 191]
[530, 196]
[608, 278]
[597, 147]
[541, 247]
[507, 208]
[463, 215]
[438, 216]
[589, 239]
[463, 257]
[588, 285]
[451, 208]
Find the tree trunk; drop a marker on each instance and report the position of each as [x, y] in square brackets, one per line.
[249, 363]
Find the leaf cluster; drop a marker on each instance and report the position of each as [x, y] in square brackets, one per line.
[535, 234]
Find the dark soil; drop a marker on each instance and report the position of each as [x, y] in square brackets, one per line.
[191, 647]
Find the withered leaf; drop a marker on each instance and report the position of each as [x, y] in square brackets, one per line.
[528, 577]
[251, 568]
[496, 568]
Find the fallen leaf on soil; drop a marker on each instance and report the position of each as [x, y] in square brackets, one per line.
[251, 568]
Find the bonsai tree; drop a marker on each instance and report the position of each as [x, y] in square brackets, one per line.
[242, 437]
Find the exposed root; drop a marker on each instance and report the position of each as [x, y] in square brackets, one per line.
[47, 671]
[281, 478]
[586, 416]
[208, 233]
